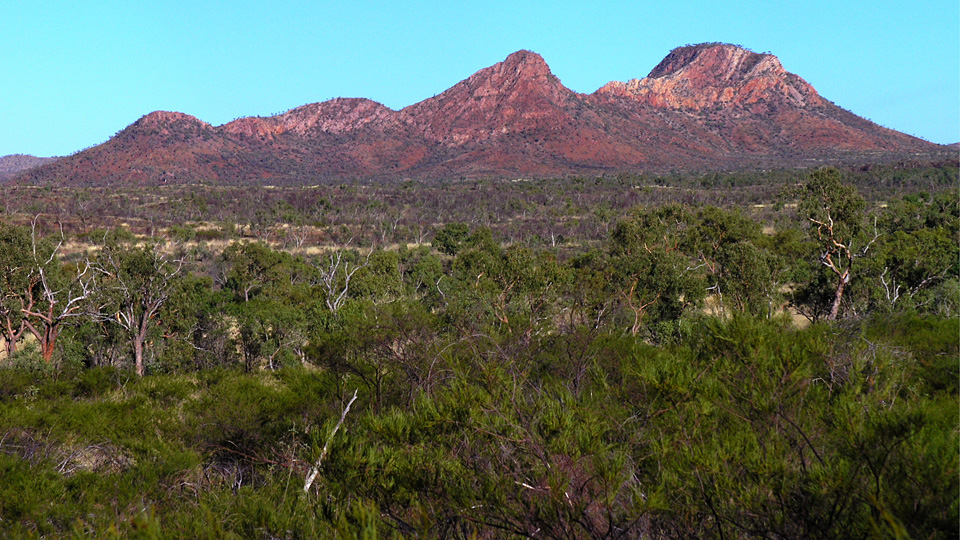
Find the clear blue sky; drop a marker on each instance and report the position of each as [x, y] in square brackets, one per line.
[74, 73]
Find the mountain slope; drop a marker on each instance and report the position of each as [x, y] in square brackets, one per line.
[704, 107]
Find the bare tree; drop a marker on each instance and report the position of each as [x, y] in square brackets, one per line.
[335, 276]
[51, 298]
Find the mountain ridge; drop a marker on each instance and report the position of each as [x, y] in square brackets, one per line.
[15, 163]
[704, 107]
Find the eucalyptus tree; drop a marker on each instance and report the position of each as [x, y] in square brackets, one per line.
[450, 238]
[246, 268]
[652, 276]
[136, 283]
[15, 280]
[835, 213]
[739, 270]
[273, 294]
[513, 290]
[41, 294]
[919, 255]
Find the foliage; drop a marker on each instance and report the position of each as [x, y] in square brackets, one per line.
[15, 279]
[449, 239]
[645, 379]
[752, 429]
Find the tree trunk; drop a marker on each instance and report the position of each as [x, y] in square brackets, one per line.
[46, 337]
[138, 355]
[10, 338]
[140, 333]
[838, 296]
[46, 350]
[48, 343]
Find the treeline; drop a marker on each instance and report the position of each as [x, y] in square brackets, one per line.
[174, 307]
[653, 385]
[565, 213]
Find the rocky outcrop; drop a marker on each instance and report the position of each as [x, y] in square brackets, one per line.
[716, 76]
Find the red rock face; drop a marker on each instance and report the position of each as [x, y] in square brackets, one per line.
[704, 107]
[701, 77]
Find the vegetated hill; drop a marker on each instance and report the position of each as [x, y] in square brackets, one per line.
[14, 163]
[704, 107]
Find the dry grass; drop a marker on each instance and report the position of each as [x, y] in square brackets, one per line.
[69, 458]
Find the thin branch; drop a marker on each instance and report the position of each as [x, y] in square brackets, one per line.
[315, 470]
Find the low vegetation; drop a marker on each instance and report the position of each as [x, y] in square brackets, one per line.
[671, 370]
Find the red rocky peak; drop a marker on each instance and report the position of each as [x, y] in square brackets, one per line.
[507, 97]
[716, 75]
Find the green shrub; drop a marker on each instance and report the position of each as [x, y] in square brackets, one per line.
[96, 382]
[933, 342]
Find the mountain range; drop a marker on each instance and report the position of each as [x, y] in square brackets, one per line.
[704, 107]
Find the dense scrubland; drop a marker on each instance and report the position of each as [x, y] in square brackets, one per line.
[763, 355]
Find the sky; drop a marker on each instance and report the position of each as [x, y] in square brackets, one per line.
[72, 74]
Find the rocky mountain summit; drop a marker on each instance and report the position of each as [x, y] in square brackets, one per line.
[704, 107]
[695, 78]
